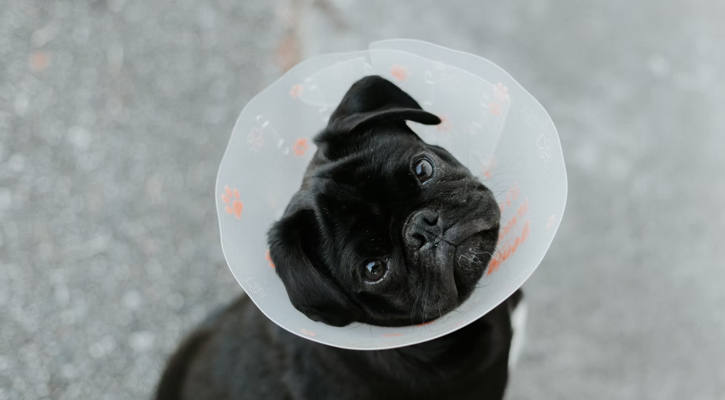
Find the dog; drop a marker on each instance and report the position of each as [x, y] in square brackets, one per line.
[385, 230]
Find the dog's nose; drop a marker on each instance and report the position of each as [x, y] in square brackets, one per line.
[422, 228]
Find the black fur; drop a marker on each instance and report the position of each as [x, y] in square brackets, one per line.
[361, 201]
[243, 355]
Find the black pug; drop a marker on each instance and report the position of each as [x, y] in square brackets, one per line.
[385, 230]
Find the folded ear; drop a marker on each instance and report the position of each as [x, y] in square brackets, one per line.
[293, 243]
[374, 100]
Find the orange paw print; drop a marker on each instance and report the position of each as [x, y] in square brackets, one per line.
[296, 91]
[494, 108]
[502, 92]
[400, 73]
[300, 146]
[231, 199]
[268, 257]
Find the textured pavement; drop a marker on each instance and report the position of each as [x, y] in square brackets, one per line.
[114, 116]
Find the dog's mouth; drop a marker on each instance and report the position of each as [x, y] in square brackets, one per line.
[472, 256]
[449, 260]
[473, 247]
[462, 256]
[462, 231]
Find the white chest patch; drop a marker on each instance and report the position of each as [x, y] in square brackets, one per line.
[518, 324]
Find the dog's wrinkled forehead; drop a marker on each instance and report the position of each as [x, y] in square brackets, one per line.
[381, 166]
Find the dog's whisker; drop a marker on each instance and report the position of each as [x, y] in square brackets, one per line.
[412, 311]
[425, 299]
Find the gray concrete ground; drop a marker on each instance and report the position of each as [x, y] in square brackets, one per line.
[114, 116]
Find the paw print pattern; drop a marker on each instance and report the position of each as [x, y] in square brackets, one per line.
[509, 237]
[544, 148]
[296, 91]
[550, 221]
[300, 147]
[255, 139]
[255, 288]
[233, 204]
[495, 108]
[501, 92]
[507, 250]
[447, 80]
[400, 73]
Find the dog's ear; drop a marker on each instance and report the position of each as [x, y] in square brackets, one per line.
[374, 100]
[293, 244]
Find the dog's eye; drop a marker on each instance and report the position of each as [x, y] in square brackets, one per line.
[374, 270]
[423, 169]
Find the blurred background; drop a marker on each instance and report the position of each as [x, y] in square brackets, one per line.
[114, 115]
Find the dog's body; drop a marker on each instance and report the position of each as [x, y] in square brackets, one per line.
[240, 354]
[386, 230]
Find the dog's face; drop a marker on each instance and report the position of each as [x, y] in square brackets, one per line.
[386, 229]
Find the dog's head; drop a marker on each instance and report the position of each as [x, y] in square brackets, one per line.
[385, 229]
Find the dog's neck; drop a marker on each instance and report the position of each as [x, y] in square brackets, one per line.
[440, 355]
[459, 356]
[472, 360]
